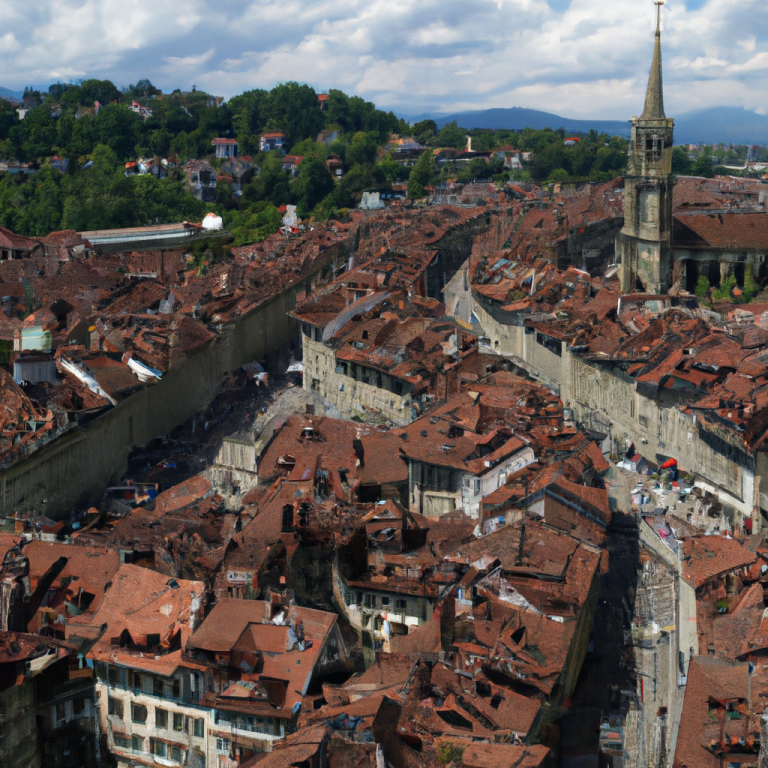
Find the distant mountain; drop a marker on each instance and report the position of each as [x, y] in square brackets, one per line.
[7, 93]
[519, 118]
[732, 125]
[727, 124]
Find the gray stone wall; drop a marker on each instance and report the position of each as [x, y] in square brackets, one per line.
[72, 471]
[606, 400]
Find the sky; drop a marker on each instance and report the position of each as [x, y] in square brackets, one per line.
[577, 58]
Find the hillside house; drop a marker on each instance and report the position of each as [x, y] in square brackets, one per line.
[270, 142]
[225, 147]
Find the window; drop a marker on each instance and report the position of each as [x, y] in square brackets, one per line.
[157, 686]
[400, 604]
[178, 721]
[222, 745]
[78, 706]
[137, 744]
[122, 742]
[199, 728]
[384, 602]
[113, 675]
[477, 486]
[161, 718]
[138, 713]
[158, 747]
[176, 753]
[115, 707]
[61, 712]
[176, 689]
[135, 680]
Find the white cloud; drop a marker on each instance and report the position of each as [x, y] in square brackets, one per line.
[586, 58]
[176, 63]
[9, 43]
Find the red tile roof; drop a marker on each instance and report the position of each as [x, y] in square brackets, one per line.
[707, 557]
[142, 603]
[249, 624]
[500, 755]
[10, 239]
[87, 575]
[735, 229]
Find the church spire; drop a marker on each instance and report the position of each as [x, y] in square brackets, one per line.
[654, 96]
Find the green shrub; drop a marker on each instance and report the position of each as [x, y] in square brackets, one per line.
[702, 287]
[448, 752]
[723, 293]
[751, 288]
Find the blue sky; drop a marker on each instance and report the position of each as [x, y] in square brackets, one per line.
[579, 58]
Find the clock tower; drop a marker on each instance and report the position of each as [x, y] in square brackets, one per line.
[644, 245]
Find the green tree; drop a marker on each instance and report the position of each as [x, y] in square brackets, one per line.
[421, 175]
[362, 149]
[310, 148]
[42, 214]
[295, 110]
[703, 166]
[392, 170]
[559, 174]
[358, 179]
[118, 128]
[484, 140]
[337, 111]
[103, 91]
[450, 136]
[478, 168]
[448, 752]
[751, 288]
[254, 224]
[313, 184]
[681, 163]
[160, 142]
[142, 88]
[7, 118]
[185, 146]
[424, 130]
[723, 293]
[702, 287]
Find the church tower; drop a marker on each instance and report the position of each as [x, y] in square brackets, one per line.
[644, 245]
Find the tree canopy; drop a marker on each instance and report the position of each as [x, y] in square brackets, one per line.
[96, 127]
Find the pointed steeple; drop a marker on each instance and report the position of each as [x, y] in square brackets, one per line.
[654, 96]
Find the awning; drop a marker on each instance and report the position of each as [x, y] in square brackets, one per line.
[669, 463]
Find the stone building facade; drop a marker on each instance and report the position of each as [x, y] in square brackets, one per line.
[664, 639]
[604, 399]
[355, 394]
[644, 245]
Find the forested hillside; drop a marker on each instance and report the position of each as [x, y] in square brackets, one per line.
[92, 126]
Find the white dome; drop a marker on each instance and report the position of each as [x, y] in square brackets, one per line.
[212, 221]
